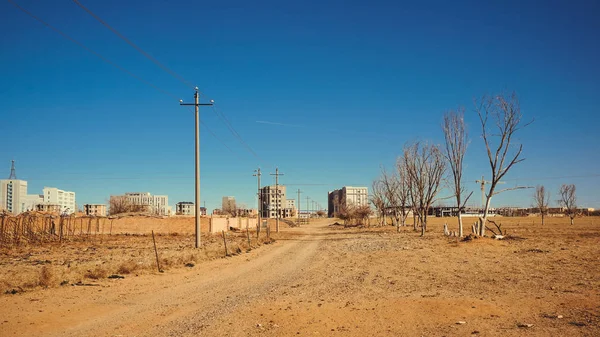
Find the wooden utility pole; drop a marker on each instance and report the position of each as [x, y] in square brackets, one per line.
[257, 175]
[307, 210]
[298, 210]
[197, 105]
[277, 198]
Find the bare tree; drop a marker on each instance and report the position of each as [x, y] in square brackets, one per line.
[541, 199]
[456, 136]
[378, 200]
[402, 193]
[425, 167]
[503, 153]
[118, 204]
[568, 200]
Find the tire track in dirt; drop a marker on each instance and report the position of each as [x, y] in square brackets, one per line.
[188, 303]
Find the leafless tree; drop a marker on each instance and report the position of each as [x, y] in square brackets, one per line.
[402, 193]
[425, 167]
[498, 135]
[391, 184]
[541, 199]
[118, 204]
[456, 136]
[378, 199]
[568, 200]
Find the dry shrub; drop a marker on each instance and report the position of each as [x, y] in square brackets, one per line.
[97, 273]
[128, 267]
[46, 277]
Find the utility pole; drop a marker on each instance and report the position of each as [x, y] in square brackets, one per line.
[277, 174]
[257, 175]
[483, 182]
[307, 210]
[298, 210]
[197, 105]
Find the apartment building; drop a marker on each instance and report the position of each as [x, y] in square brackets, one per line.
[94, 209]
[13, 193]
[272, 198]
[185, 208]
[228, 204]
[346, 196]
[55, 196]
[157, 204]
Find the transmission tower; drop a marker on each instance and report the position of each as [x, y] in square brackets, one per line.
[13, 173]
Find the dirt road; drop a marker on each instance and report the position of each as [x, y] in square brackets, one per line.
[329, 281]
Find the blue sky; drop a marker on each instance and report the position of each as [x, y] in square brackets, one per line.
[351, 81]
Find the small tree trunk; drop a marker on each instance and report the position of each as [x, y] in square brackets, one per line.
[572, 220]
[542, 218]
[423, 227]
[460, 225]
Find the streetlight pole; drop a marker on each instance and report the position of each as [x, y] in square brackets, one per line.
[197, 105]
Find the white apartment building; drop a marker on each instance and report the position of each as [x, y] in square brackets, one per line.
[157, 204]
[66, 199]
[13, 194]
[346, 196]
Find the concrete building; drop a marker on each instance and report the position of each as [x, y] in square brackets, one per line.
[66, 199]
[271, 199]
[32, 201]
[94, 209]
[185, 208]
[346, 196]
[52, 208]
[228, 204]
[13, 193]
[157, 204]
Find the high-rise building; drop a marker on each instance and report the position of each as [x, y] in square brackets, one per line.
[13, 195]
[228, 205]
[65, 199]
[346, 196]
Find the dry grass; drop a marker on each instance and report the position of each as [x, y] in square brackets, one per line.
[53, 264]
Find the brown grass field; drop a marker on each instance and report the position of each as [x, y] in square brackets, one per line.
[319, 279]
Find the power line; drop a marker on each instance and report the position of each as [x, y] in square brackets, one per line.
[91, 50]
[148, 56]
[110, 62]
[233, 131]
[168, 70]
[555, 177]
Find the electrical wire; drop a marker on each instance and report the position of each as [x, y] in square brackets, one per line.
[234, 132]
[168, 70]
[111, 63]
[148, 56]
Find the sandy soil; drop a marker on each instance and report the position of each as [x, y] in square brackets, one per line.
[328, 280]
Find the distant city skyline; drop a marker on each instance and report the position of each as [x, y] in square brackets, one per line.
[327, 95]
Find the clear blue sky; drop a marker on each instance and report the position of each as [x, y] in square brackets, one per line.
[352, 81]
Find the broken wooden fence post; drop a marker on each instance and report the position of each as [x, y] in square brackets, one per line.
[225, 242]
[248, 234]
[156, 253]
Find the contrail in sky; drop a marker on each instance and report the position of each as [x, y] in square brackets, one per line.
[282, 124]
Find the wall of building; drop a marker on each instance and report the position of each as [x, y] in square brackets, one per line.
[13, 193]
[66, 199]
